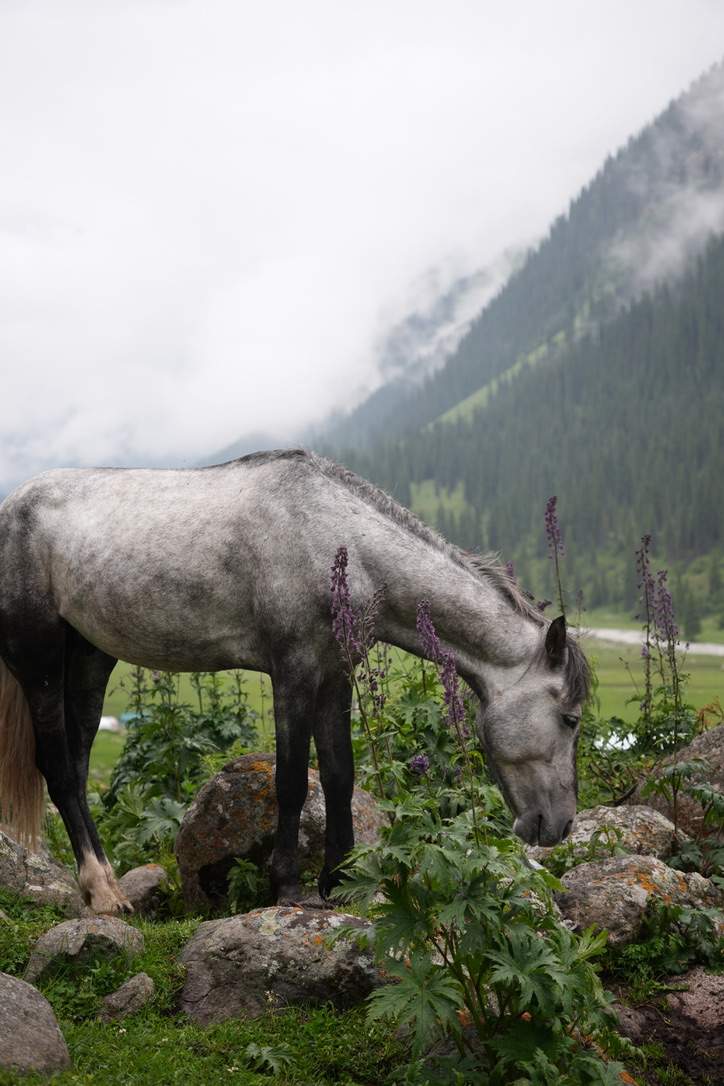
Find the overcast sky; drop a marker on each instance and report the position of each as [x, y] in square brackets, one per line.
[211, 212]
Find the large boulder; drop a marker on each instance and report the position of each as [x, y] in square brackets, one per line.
[37, 877]
[636, 829]
[30, 1038]
[614, 894]
[234, 816]
[83, 940]
[242, 966]
[708, 746]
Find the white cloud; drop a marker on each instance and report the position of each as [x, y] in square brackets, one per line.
[211, 213]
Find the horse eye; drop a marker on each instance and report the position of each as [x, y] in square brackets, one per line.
[570, 720]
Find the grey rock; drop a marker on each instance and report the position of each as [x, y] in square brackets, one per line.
[614, 894]
[37, 876]
[637, 829]
[30, 1038]
[242, 966]
[234, 815]
[83, 940]
[129, 998]
[146, 888]
[709, 746]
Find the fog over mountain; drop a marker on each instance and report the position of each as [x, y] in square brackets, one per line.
[218, 220]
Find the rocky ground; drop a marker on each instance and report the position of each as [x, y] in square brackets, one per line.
[238, 967]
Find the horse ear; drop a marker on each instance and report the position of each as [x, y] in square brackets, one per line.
[556, 642]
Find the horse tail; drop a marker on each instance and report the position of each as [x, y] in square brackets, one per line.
[22, 796]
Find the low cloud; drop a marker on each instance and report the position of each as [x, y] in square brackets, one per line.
[214, 219]
[686, 205]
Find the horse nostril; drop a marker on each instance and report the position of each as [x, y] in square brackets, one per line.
[567, 829]
[540, 826]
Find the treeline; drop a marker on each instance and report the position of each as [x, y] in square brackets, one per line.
[625, 426]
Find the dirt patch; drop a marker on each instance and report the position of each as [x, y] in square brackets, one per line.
[687, 1022]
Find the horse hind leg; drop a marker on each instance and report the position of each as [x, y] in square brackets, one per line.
[86, 676]
[38, 661]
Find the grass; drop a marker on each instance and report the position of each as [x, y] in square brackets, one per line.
[159, 1046]
[427, 498]
[619, 670]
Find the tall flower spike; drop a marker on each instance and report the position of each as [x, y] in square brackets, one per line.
[664, 618]
[429, 640]
[445, 661]
[344, 620]
[553, 529]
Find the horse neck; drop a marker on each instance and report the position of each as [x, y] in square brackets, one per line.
[492, 642]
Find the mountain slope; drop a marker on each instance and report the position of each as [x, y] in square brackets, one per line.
[645, 215]
[625, 426]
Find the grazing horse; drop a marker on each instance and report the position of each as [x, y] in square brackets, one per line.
[228, 566]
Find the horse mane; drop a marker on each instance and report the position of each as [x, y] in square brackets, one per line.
[487, 567]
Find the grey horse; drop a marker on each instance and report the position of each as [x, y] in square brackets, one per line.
[228, 566]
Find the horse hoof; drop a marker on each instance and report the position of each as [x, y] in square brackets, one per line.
[298, 897]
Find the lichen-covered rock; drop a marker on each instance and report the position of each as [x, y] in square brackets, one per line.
[686, 1019]
[243, 965]
[83, 940]
[37, 877]
[129, 998]
[30, 1038]
[614, 894]
[234, 816]
[636, 829]
[708, 746]
[146, 888]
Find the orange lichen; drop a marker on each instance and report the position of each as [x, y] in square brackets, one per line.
[260, 767]
[647, 884]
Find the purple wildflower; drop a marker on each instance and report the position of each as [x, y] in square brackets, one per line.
[664, 619]
[542, 604]
[510, 570]
[419, 764]
[446, 666]
[426, 632]
[646, 578]
[645, 652]
[343, 617]
[553, 529]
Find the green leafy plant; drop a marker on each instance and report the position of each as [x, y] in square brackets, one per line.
[673, 939]
[462, 923]
[267, 1059]
[602, 844]
[248, 887]
[166, 758]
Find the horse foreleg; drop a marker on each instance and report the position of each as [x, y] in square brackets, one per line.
[86, 676]
[333, 741]
[294, 700]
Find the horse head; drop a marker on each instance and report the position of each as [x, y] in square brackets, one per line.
[529, 732]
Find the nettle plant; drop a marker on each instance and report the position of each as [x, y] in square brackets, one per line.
[462, 923]
[171, 749]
